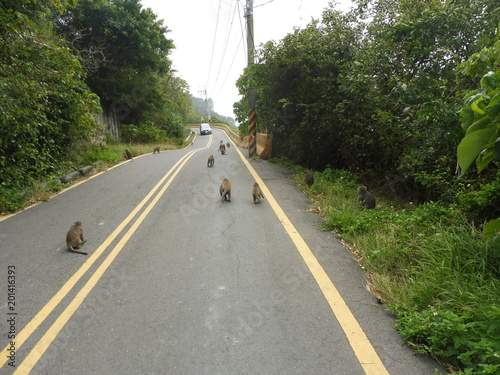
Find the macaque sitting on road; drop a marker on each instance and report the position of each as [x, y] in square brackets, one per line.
[74, 238]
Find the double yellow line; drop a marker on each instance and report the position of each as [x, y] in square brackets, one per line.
[39, 349]
[363, 349]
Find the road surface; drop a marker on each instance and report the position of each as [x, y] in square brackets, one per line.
[178, 282]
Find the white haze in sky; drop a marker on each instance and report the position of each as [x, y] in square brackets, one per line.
[210, 38]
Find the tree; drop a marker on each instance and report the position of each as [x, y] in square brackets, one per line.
[296, 82]
[125, 52]
[480, 116]
[373, 90]
[45, 103]
[402, 87]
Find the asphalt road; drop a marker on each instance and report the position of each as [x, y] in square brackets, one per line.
[178, 282]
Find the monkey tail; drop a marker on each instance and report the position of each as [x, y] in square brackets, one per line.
[77, 251]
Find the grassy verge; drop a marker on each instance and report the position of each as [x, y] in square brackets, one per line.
[20, 197]
[433, 269]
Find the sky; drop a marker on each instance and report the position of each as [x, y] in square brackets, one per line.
[211, 43]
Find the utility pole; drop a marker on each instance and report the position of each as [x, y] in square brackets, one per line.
[252, 114]
[208, 103]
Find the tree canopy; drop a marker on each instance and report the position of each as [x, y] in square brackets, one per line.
[45, 104]
[124, 51]
[373, 90]
[65, 60]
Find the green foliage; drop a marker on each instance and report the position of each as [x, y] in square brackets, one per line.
[147, 133]
[482, 204]
[480, 118]
[373, 90]
[13, 197]
[45, 104]
[435, 271]
[455, 335]
[124, 52]
[296, 85]
[491, 228]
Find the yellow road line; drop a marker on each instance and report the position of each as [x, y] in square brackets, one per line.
[363, 349]
[35, 354]
[40, 317]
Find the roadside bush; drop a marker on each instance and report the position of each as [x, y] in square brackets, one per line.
[447, 334]
[45, 103]
[12, 198]
[484, 204]
[434, 269]
[147, 133]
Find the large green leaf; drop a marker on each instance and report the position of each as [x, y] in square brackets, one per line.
[485, 158]
[491, 228]
[472, 145]
[493, 108]
[467, 117]
[482, 123]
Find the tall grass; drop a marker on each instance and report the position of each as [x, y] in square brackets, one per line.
[428, 264]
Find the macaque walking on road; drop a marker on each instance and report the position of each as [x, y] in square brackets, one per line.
[222, 148]
[257, 193]
[225, 190]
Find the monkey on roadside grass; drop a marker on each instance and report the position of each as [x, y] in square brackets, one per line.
[128, 154]
[257, 193]
[74, 238]
[222, 148]
[225, 190]
[211, 161]
[308, 178]
[366, 198]
[156, 150]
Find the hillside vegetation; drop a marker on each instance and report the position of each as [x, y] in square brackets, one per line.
[64, 61]
[378, 92]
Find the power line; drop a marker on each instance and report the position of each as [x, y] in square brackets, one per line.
[261, 5]
[228, 70]
[225, 48]
[213, 45]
